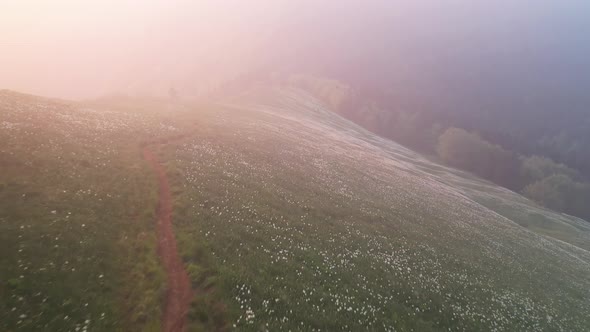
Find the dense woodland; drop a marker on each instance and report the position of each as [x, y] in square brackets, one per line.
[546, 159]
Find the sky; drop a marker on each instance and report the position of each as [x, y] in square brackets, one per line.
[83, 49]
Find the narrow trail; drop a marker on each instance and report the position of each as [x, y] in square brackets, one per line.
[178, 293]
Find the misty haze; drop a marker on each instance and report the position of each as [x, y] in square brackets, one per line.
[295, 165]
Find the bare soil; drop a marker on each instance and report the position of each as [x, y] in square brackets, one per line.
[178, 293]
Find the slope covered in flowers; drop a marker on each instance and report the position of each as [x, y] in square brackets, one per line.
[287, 217]
[76, 217]
[299, 220]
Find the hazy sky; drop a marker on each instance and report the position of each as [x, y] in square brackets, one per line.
[78, 48]
[74, 49]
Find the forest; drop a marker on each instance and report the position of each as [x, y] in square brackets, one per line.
[543, 157]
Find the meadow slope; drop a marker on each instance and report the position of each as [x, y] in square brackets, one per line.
[77, 215]
[286, 217]
[302, 220]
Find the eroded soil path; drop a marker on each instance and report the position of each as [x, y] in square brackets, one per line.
[178, 293]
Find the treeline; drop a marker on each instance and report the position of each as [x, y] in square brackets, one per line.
[542, 155]
[540, 178]
[518, 157]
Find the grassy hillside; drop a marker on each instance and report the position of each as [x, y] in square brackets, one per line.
[287, 217]
[76, 218]
[301, 220]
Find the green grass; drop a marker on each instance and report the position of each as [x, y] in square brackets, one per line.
[305, 227]
[287, 217]
[76, 221]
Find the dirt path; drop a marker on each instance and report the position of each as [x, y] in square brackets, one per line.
[178, 293]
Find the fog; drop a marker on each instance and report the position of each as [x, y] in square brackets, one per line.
[82, 48]
[77, 49]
